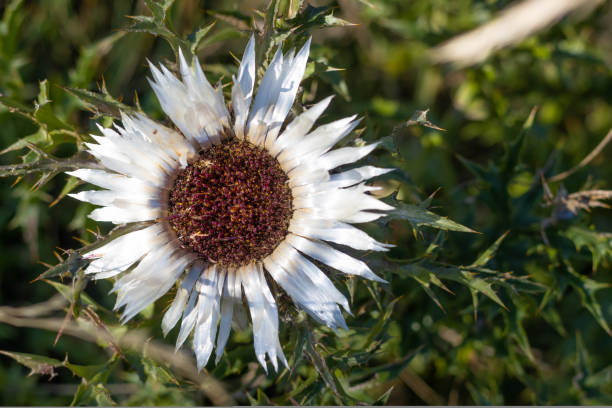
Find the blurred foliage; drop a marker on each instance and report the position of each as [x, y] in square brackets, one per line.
[518, 313]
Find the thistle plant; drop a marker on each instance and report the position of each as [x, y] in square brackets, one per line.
[239, 217]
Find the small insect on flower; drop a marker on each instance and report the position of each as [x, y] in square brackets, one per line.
[232, 200]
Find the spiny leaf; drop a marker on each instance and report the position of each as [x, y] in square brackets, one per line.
[381, 324]
[356, 392]
[69, 266]
[292, 8]
[234, 18]
[100, 103]
[159, 9]
[98, 373]
[199, 36]
[217, 37]
[487, 175]
[43, 112]
[310, 17]
[489, 253]
[88, 393]
[419, 216]
[52, 130]
[599, 379]
[469, 279]
[384, 397]
[419, 117]
[587, 289]
[552, 317]
[435, 247]
[73, 294]
[16, 106]
[70, 185]
[332, 21]
[40, 137]
[38, 364]
[582, 360]
[517, 330]
[321, 366]
[425, 278]
[159, 29]
[513, 151]
[598, 243]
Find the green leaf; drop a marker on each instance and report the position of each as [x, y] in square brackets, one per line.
[489, 253]
[517, 330]
[74, 294]
[471, 280]
[238, 20]
[320, 365]
[37, 364]
[157, 373]
[356, 392]
[43, 112]
[552, 317]
[159, 29]
[381, 323]
[337, 82]
[419, 216]
[384, 397]
[261, 400]
[315, 17]
[159, 9]
[219, 36]
[69, 266]
[332, 21]
[598, 243]
[88, 393]
[100, 104]
[583, 369]
[587, 289]
[199, 36]
[513, 151]
[70, 185]
[435, 247]
[52, 130]
[40, 138]
[599, 379]
[487, 175]
[425, 278]
[10, 26]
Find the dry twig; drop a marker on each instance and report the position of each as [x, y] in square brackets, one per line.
[516, 23]
[586, 160]
[136, 340]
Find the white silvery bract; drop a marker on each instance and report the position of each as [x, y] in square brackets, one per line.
[141, 158]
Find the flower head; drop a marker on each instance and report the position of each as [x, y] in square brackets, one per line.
[231, 199]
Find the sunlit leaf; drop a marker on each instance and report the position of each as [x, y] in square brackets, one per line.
[419, 216]
[37, 364]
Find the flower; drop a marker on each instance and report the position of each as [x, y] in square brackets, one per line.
[231, 200]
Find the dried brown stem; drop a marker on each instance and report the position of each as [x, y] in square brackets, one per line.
[420, 387]
[517, 22]
[586, 160]
[136, 340]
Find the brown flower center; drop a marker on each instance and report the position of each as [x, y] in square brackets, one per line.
[231, 206]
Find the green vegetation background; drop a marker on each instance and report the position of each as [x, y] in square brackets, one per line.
[523, 322]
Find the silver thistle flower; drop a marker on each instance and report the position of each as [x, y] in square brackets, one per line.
[229, 198]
